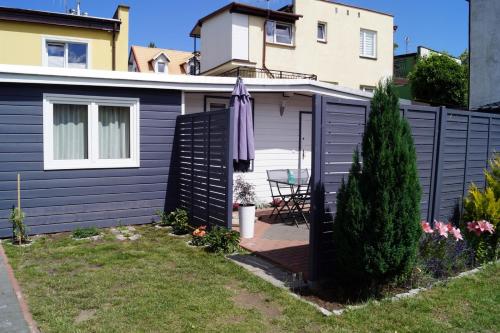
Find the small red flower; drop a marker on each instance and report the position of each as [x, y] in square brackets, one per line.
[426, 227]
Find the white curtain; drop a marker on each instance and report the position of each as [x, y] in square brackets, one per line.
[70, 132]
[114, 132]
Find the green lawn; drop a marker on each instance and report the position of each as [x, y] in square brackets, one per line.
[158, 284]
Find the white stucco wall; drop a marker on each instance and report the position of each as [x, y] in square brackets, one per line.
[484, 52]
[224, 37]
[276, 136]
[336, 61]
[216, 38]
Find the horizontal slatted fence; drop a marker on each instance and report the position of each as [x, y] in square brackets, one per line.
[468, 140]
[453, 148]
[204, 167]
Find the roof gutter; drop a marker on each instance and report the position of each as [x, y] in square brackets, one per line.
[60, 19]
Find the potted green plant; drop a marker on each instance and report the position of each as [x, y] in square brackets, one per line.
[245, 195]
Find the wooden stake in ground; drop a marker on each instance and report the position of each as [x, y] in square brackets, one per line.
[19, 192]
[20, 238]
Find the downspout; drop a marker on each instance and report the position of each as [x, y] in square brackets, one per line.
[264, 33]
[113, 49]
[264, 46]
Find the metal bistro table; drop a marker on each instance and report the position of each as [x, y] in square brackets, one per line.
[293, 195]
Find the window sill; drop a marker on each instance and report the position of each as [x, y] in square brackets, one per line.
[368, 58]
[82, 165]
[290, 46]
[322, 41]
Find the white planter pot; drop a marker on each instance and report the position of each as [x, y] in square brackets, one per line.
[247, 221]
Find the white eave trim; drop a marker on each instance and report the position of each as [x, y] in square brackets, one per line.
[187, 83]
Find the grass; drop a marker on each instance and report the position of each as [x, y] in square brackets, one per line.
[158, 284]
[85, 232]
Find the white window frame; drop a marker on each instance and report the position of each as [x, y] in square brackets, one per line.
[292, 41]
[366, 88]
[325, 30]
[93, 161]
[362, 36]
[64, 40]
[217, 100]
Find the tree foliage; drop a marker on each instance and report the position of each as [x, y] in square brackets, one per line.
[377, 225]
[439, 80]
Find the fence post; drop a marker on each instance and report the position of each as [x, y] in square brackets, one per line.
[466, 166]
[317, 199]
[229, 168]
[436, 204]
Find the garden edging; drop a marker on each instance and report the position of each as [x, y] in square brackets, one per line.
[415, 292]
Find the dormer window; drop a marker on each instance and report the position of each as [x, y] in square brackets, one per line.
[160, 63]
[161, 67]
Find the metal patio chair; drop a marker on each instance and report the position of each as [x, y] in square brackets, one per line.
[301, 199]
[281, 194]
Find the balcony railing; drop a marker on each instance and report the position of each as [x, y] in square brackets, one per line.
[262, 73]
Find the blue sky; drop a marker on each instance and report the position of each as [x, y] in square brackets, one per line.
[438, 24]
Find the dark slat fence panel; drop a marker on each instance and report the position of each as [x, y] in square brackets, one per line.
[424, 123]
[339, 127]
[453, 148]
[468, 141]
[204, 167]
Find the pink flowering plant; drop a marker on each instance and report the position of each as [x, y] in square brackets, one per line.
[442, 249]
[481, 216]
[484, 239]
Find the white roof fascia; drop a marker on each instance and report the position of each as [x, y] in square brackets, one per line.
[188, 83]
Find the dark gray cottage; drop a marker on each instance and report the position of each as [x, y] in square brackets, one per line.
[97, 148]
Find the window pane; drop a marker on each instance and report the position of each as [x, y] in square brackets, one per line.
[161, 67]
[368, 43]
[321, 31]
[77, 55]
[70, 132]
[55, 55]
[369, 47]
[270, 31]
[217, 106]
[361, 42]
[283, 34]
[114, 132]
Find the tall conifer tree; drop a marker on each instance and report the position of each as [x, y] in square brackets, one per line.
[377, 225]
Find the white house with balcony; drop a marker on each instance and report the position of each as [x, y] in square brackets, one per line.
[313, 39]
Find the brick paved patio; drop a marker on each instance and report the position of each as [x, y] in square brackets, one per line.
[284, 244]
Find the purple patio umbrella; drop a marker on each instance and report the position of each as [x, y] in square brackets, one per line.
[243, 140]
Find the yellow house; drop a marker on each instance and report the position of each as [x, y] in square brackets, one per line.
[74, 40]
[333, 42]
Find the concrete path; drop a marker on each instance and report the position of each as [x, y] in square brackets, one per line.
[11, 314]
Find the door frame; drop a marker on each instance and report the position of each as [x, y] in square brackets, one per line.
[301, 114]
